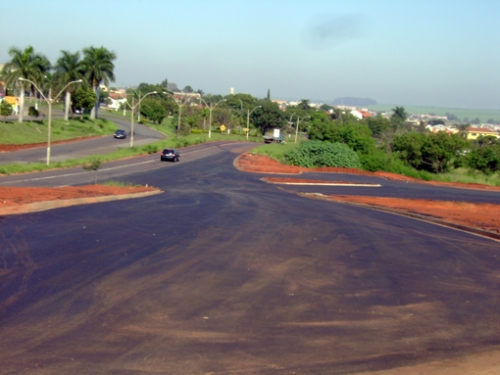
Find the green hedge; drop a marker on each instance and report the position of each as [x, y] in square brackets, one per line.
[323, 154]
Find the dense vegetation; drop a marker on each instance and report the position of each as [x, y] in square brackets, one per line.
[335, 137]
[323, 154]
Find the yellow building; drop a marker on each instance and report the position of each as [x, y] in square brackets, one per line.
[475, 133]
[12, 100]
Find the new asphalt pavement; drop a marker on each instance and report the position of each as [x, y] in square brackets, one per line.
[225, 274]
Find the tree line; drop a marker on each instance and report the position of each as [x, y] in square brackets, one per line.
[381, 143]
[30, 71]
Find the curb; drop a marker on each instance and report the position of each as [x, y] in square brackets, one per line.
[49, 205]
[464, 228]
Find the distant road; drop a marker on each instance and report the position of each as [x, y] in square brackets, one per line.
[78, 149]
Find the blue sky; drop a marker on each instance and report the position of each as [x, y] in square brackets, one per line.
[439, 53]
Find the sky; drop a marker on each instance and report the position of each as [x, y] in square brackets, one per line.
[439, 53]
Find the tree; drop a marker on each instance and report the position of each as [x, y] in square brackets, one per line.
[304, 105]
[154, 110]
[188, 89]
[93, 165]
[439, 149]
[25, 64]
[355, 135]
[84, 98]
[462, 129]
[486, 158]
[378, 125]
[399, 117]
[68, 68]
[268, 116]
[432, 152]
[99, 68]
[5, 110]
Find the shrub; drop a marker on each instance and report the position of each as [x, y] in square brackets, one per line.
[376, 161]
[322, 154]
[485, 159]
[151, 149]
[93, 165]
[33, 112]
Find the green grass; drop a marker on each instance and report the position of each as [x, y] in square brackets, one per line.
[173, 141]
[119, 184]
[469, 177]
[275, 150]
[483, 114]
[35, 131]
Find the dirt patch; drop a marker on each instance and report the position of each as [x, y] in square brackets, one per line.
[481, 216]
[16, 200]
[476, 215]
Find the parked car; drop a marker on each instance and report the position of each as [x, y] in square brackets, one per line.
[120, 134]
[170, 154]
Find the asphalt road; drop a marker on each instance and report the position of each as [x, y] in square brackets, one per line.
[73, 150]
[225, 274]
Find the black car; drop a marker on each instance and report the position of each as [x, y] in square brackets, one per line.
[120, 134]
[169, 154]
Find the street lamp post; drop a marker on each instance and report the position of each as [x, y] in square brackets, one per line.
[211, 108]
[139, 109]
[49, 101]
[180, 112]
[132, 109]
[248, 118]
[297, 129]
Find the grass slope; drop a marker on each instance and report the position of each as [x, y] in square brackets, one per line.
[35, 131]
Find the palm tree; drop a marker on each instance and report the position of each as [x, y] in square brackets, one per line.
[68, 68]
[25, 64]
[399, 117]
[98, 65]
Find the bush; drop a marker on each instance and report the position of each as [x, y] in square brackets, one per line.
[93, 165]
[376, 161]
[322, 154]
[151, 149]
[33, 112]
[485, 159]
[5, 109]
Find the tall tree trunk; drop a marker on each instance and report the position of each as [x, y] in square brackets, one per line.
[94, 113]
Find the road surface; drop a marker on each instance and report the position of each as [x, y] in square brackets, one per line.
[79, 149]
[225, 274]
